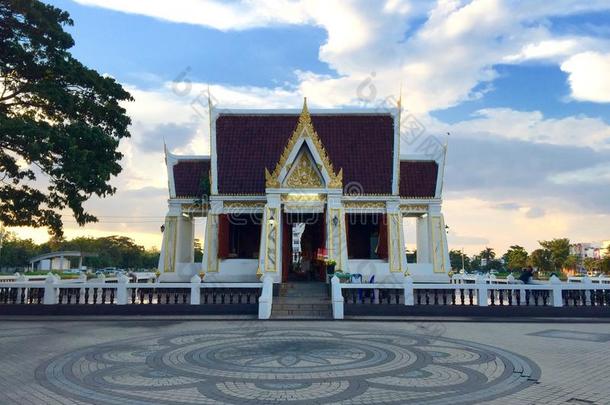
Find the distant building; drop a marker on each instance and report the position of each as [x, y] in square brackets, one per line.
[589, 250]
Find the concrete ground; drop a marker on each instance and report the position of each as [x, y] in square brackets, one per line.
[152, 360]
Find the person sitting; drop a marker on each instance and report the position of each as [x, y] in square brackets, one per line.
[527, 275]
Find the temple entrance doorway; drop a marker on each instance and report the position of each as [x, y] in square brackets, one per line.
[303, 239]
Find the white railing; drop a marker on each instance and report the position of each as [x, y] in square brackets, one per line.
[53, 291]
[598, 279]
[481, 293]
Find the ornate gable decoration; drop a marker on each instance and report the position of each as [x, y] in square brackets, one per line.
[303, 173]
[304, 129]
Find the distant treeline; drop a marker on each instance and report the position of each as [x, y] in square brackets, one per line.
[113, 251]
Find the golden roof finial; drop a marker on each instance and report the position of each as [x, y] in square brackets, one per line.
[304, 118]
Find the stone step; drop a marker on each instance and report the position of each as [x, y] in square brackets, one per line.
[292, 306]
[301, 300]
[298, 314]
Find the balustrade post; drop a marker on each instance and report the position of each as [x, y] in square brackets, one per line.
[195, 290]
[50, 290]
[265, 301]
[482, 288]
[121, 290]
[557, 296]
[22, 279]
[588, 283]
[337, 298]
[407, 285]
[82, 278]
[510, 279]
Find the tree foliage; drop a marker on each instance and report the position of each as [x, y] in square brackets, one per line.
[113, 251]
[61, 118]
[541, 259]
[456, 257]
[558, 250]
[515, 258]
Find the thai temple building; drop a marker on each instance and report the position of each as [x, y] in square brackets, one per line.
[335, 180]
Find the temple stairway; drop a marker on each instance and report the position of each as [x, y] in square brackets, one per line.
[302, 300]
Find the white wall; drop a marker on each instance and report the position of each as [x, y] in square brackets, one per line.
[234, 270]
[379, 268]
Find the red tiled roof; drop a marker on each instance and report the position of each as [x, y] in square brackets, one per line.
[418, 178]
[360, 144]
[189, 175]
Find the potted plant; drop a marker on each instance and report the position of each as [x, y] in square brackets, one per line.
[343, 277]
[330, 266]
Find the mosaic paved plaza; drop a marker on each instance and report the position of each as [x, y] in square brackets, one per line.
[235, 362]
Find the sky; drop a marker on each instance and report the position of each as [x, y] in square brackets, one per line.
[522, 87]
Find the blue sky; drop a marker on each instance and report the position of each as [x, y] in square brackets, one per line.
[146, 51]
[523, 88]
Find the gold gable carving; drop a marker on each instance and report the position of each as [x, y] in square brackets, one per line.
[304, 174]
[305, 128]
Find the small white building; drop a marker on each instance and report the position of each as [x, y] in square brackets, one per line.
[57, 263]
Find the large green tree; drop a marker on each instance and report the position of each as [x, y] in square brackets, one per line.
[457, 258]
[541, 259]
[15, 252]
[515, 258]
[559, 250]
[60, 122]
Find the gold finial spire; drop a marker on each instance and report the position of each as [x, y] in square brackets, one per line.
[400, 97]
[305, 118]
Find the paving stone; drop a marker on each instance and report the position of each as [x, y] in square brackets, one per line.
[176, 362]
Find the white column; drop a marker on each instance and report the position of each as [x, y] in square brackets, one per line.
[50, 291]
[210, 247]
[557, 298]
[121, 291]
[438, 240]
[185, 252]
[337, 298]
[408, 291]
[336, 242]
[265, 301]
[423, 242]
[167, 257]
[195, 290]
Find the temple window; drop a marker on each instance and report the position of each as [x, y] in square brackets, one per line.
[367, 236]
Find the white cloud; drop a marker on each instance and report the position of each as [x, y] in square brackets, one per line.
[532, 126]
[216, 14]
[589, 76]
[596, 176]
[547, 49]
[439, 65]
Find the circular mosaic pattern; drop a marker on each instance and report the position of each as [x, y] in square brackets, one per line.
[288, 365]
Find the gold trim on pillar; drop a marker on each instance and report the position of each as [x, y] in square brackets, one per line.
[395, 244]
[211, 236]
[304, 128]
[170, 234]
[271, 213]
[438, 255]
[335, 250]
